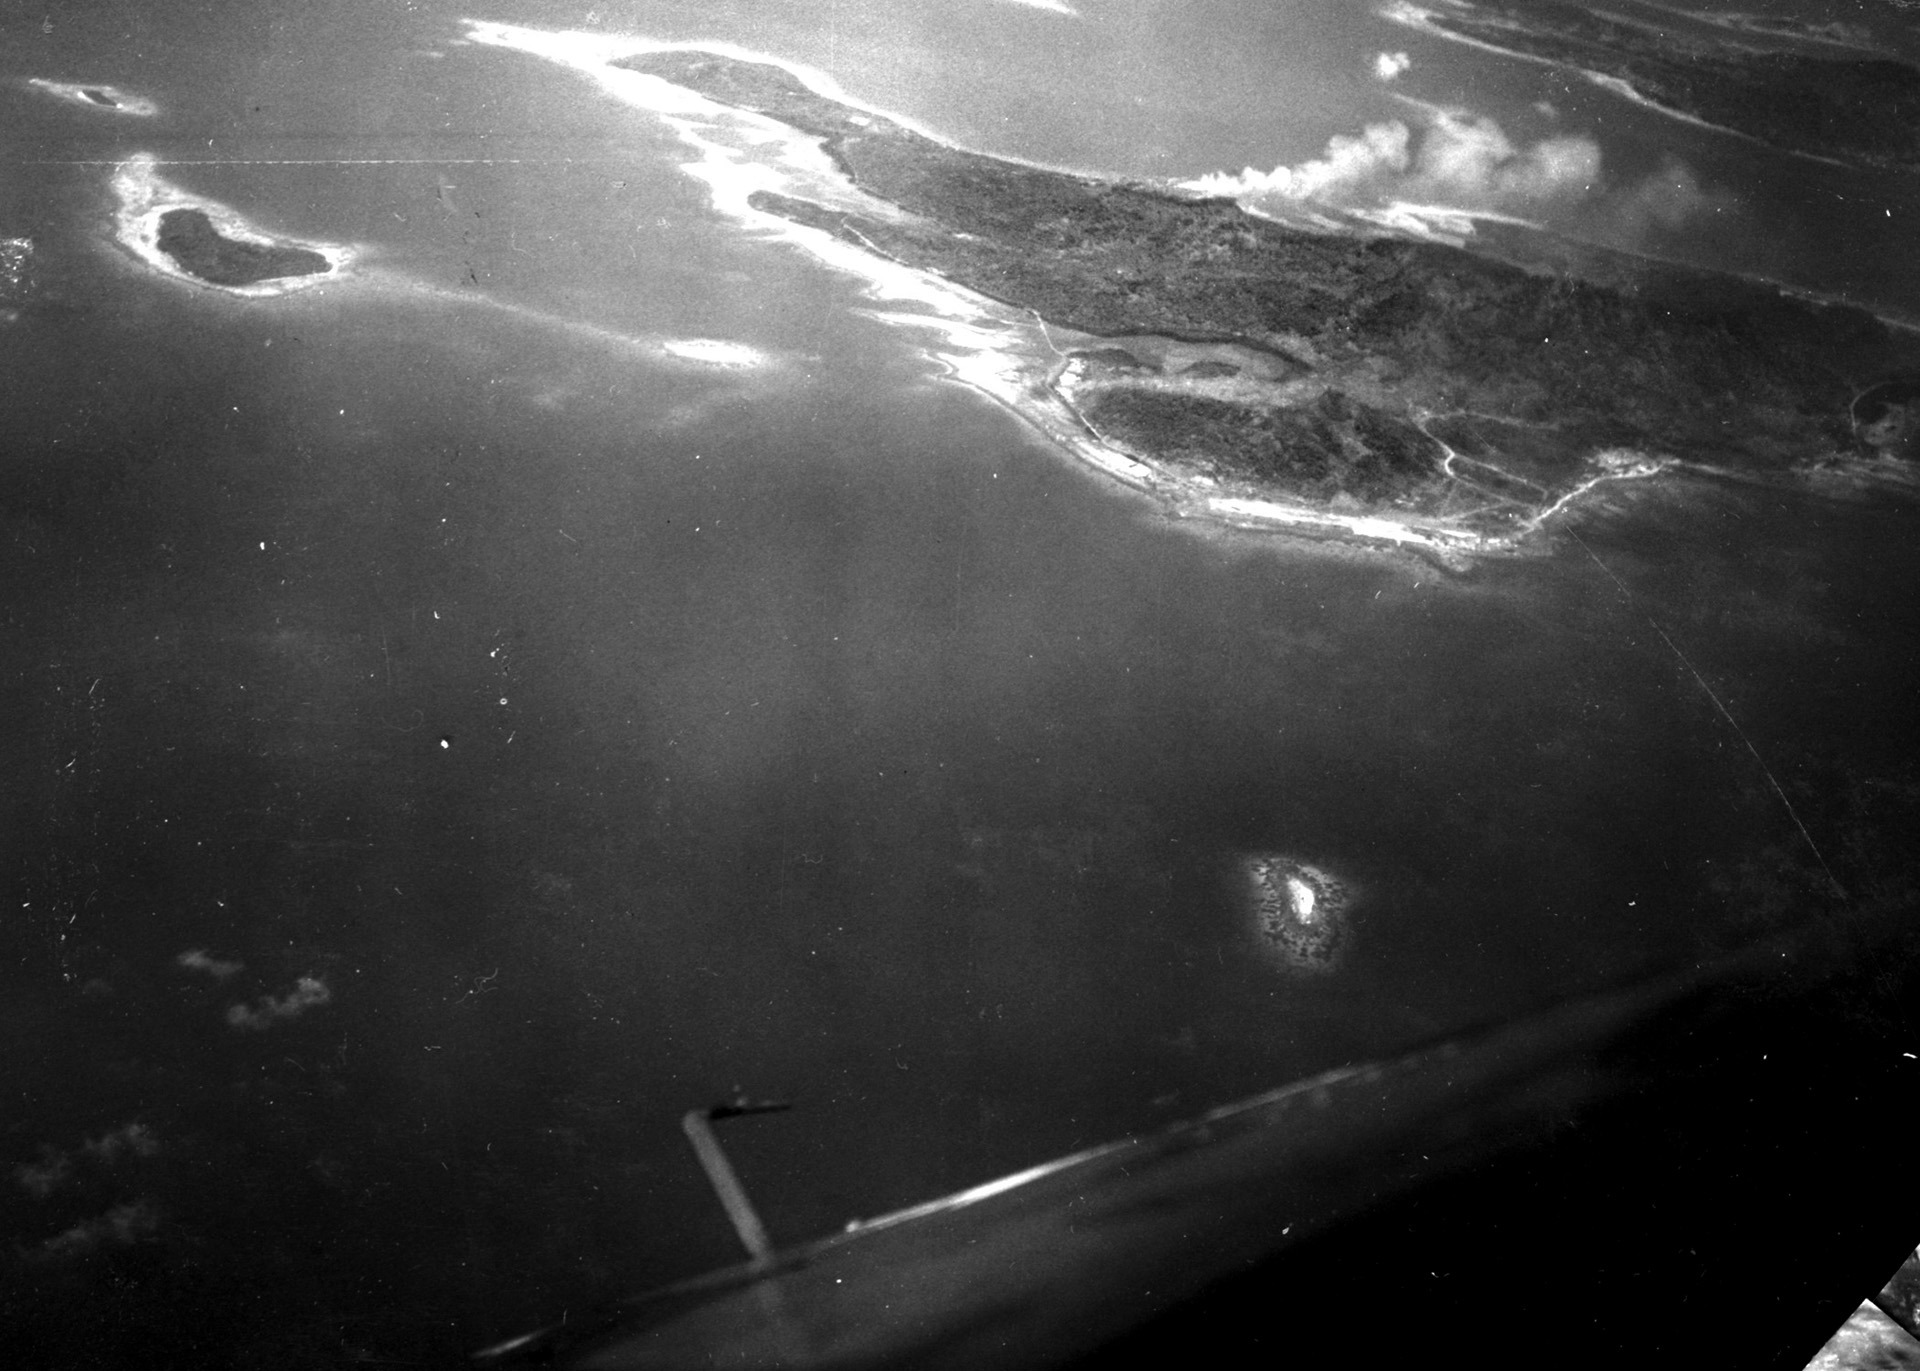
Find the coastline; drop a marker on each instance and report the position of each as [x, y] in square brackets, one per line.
[896, 208]
[1835, 35]
[995, 348]
[1627, 91]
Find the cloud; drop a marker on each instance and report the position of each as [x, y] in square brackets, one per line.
[1667, 199]
[1348, 161]
[1455, 166]
[1457, 160]
[1057, 6]
[1472, 163]
[1388, 65]
[135, 1140]
[123, 1225]
[40, 1179]
[307, 992]
[54, 1169]
[199, 959]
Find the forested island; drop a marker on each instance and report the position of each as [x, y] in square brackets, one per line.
[1396, 380]
[190, 239]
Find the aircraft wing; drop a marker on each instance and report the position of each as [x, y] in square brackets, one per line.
[1041, 1266]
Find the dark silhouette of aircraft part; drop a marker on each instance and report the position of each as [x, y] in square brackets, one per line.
[1050, 1265]
[698, 1126]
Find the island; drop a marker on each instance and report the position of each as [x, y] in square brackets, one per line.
[96, 97]
[191, 240]
[1299, 911]
[1886, 419]
[1863, 111]
[1369, 386]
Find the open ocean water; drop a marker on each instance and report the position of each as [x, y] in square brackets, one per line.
[450, 732]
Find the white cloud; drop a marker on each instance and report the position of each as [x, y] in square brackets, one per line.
[54, 1169]
[199, 959]
[134, 1140]
[1388, 65]
[1474, 159]
[1346, 166]
[40, 1179]
[1455, 166]
[307, 992]
[1667, 199]
[122, 1225]
[1057, 6]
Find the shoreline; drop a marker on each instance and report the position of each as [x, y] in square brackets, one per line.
[994, 347]
[1626, 90]
[1189, 497]
[1756, 26]
[576, 48]
[868, 195]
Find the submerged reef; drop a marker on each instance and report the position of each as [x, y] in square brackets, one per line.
[1299, 910]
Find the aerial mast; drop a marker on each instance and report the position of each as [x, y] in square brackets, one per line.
[698, 1126]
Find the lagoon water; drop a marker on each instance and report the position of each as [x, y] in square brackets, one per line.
[620, 669]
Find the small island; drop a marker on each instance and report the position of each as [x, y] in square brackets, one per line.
[1299, 911]
[96, 96]
[1886, 419]
[191, 240]
[1354, 386]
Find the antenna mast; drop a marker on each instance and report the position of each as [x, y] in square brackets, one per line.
[698, 1126]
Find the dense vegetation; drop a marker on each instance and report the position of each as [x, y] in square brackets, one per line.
[189, 237]
[1333, 451]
